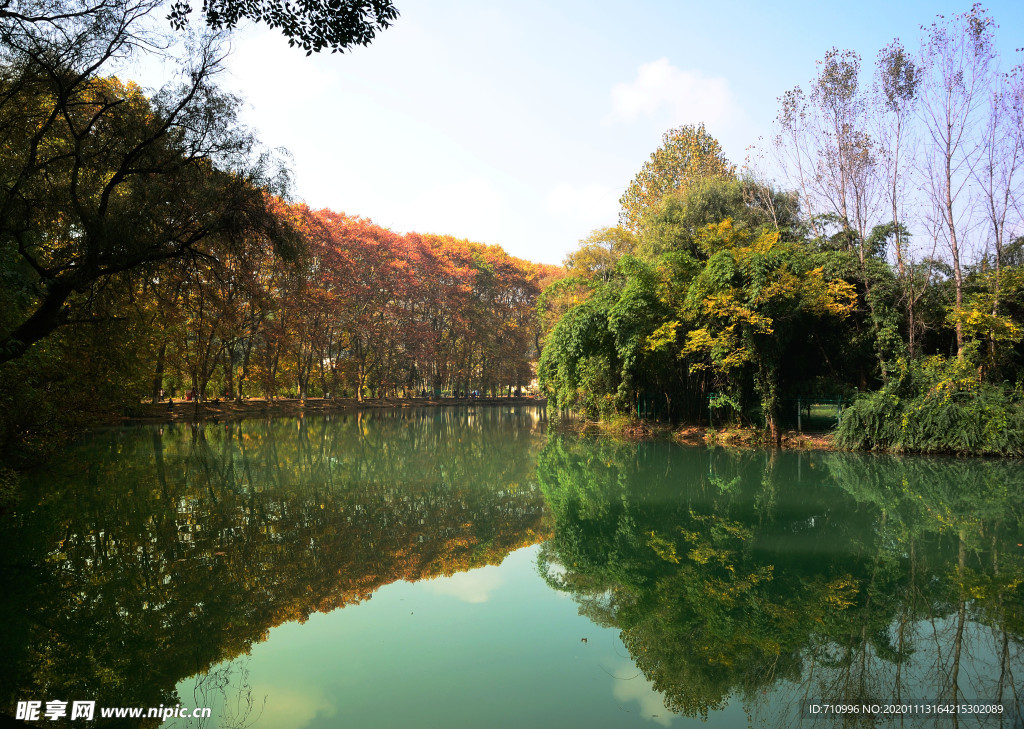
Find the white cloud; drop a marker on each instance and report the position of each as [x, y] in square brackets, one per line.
[688, 97]
[592, 205]
[291, 706]
[629, 687]
[473, 587]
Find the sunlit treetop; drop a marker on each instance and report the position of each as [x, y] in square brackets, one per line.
[687, 154]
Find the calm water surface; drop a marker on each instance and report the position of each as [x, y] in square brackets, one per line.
[465, 568]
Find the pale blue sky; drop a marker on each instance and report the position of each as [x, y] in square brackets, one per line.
[520, 123]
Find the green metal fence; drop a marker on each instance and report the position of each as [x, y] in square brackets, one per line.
[803, 415]
[811, 415]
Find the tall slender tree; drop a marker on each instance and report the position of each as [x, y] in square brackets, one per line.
[958, 55]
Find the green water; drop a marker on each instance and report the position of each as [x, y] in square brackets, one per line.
[466, 568]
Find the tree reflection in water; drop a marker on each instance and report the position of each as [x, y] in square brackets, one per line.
[148, 555]
[227, 690]
[796, 578]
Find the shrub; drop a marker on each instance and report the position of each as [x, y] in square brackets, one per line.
[936, 406]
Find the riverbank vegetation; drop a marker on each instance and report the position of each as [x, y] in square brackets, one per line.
[889, 262]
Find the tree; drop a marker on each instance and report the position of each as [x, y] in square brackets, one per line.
[746, 304]
[683, 214]
[599, 252]
[686, 154]
[632, 320]
[313, 26]
[99, 180]
[898, 82]
[310, 25]
[578, 367]
[999, 173]
[826, 147]
[958, 55]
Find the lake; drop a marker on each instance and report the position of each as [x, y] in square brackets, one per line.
[471, 567]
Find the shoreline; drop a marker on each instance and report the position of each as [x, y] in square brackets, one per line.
[214, 411]
[191, 412]
[747, 438]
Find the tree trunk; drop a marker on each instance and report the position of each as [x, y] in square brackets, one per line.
[158, 372]
[767, 386]
[48, 316]
[229, 371]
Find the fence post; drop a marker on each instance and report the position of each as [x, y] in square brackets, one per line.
[799, 422]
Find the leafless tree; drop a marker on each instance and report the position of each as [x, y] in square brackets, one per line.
[999, 172]
[957, 56]
[826, 146]
[897, 88]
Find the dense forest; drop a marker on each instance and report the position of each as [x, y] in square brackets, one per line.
[887, 263]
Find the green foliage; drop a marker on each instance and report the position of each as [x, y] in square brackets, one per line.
[632, 320]
[936, 405]
[83, 373]
[599, 252]
[746, 305]
[687, 154]
[708, 303]
[724, 292]
[979, 317]
[676, 222]
[576, 366]
[340, 25]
